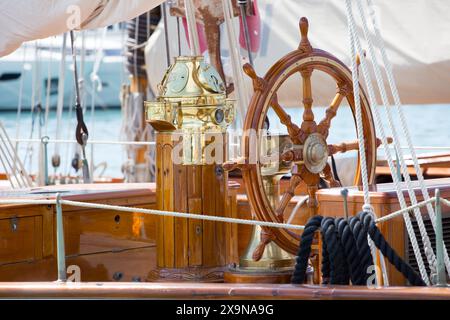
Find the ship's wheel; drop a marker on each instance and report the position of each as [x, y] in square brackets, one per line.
[307, 159]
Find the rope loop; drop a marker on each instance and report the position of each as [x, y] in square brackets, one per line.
[346, 254]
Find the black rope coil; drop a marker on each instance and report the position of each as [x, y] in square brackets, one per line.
[346, 254]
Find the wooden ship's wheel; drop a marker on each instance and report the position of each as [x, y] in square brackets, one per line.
[308, 157]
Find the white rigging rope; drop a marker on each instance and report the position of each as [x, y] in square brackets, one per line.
[48, 88]
[242, 93]
[20, 100]
[192, 28]
[11, 162]
[431, 258]
[360, 133]
[61, 80]
[379, 123]
[398, 108]
[96, 86]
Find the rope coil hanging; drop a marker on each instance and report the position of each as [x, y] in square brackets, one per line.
[346, 252]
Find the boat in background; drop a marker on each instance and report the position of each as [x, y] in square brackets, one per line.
[104, 70]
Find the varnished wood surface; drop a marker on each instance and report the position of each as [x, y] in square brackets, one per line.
[94, 235]
[212, 291]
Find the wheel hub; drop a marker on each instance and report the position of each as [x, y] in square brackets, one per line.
[315, 153]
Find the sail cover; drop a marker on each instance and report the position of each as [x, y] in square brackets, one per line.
[416, 36]
[25, 20]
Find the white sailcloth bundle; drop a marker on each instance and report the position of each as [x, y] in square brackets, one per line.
[25, 20]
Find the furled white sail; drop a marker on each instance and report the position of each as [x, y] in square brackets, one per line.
[415, 35]
[25, 20]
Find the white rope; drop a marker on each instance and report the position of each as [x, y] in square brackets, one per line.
[192, 28]
[445, 201]
[20, 99]
[431, 258]
[236, 64]
[297, 207]
[156, 212]
[360, 131]
[96, 83]
[422, 147]
[373, 103]
[61, 80]
[405, 210]
[14, 167]
[407, 135]
[48, 89]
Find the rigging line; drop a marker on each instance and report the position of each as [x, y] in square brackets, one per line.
[10, 173]
[431, 258]
[236, 61]
[135, 51]
[96, 86]
[178, 36]
[142, 143]
[192, 28]
[19, 162]
[398, 106]
[20, 100]
[60, 101]
[34, 93]
[48, 88]
[359, 123]
[70, 146]
[243, 10]
[81, 131]
[81, 81]
[10, 154]
[379, 123]
[166, 32]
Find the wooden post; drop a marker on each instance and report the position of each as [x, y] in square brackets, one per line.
[192, 249]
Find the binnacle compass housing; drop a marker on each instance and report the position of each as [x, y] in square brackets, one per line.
[191, 101]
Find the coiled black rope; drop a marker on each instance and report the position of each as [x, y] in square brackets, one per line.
[346, 255]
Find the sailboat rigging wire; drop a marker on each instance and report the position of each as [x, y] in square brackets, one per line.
[192, 28]
[18, 171]
[96, 86]
[243, 10]
[142, 143]
[236, 63]
[179, 36]
[359, 126]
[372, 99]
[197, 216]
[60, 102]
[19, 106]
[431, 258]
[48, 86]
[398, 107]
[166, 32]
[81, 131]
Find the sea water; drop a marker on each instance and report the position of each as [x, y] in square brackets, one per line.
[429, 125]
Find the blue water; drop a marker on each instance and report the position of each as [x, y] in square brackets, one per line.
[429, 125]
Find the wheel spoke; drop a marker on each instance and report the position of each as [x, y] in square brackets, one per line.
[324, 125]
[295, 133]
[308, 125]
[288, 195]
[313, 205]
[351, 145]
